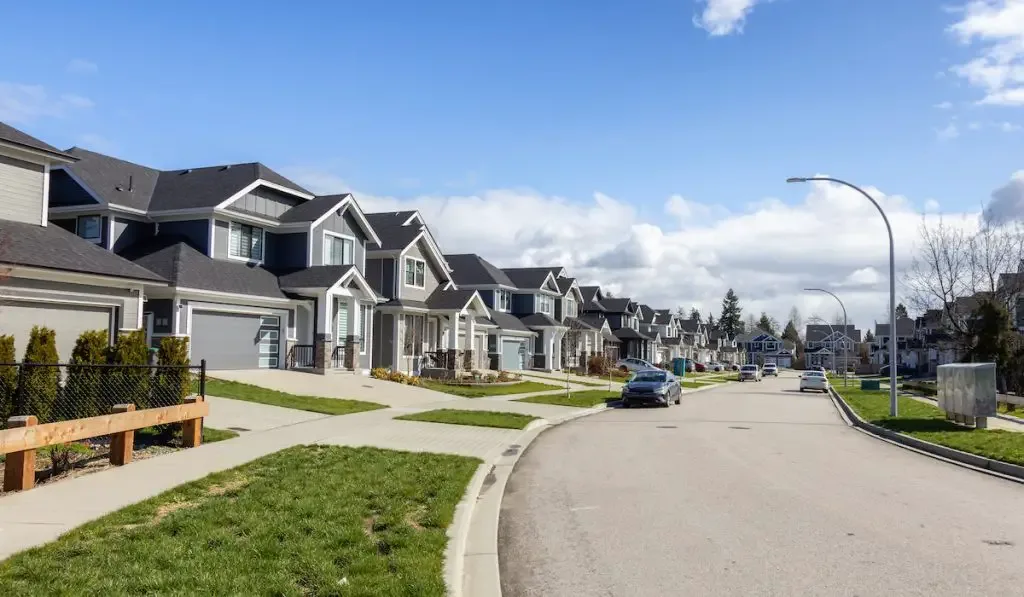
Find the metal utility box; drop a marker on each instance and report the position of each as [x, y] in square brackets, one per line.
[967, 390]
[870, 384]
[679, 367]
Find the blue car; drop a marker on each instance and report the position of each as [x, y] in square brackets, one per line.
[651, 386]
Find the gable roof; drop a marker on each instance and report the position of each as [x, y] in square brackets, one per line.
[530, 278]
[690, 326]
[817, 332]
[12, 136]
[112, 180]
[646, 313]
[617, 305]
[470, 269]
[455, 300]
[662, 316]
[314, 209]
[566, 284]
[317, 276]
[392, 229]
[904, 327]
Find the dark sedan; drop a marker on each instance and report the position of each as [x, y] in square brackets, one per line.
[653, 386]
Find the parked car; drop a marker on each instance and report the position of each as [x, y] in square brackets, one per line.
[632, 364]
[716, 366]
[735, 367]
[901, 371]
[700, 367]
[750, 372]
[652, 386]
[770, 369]
[813, 380]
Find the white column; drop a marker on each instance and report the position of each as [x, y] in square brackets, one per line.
[470, 330]
[325, 313]
[397, 341]
[453, 331]
[354, 320]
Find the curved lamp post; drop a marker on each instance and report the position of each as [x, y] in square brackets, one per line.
[893, 404]
[831, 332]
[846, 328]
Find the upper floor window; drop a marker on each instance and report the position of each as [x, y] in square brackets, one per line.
[503, 300]
[545, 304]
[338, 250]
[415, 272]
[246, 242]
[90, 228]
[570, 307]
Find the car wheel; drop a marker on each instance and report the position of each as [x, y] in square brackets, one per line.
[625, 403]
[801, 389]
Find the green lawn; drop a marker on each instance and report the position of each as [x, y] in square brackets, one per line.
[309, 520]
[927, 422]
[574, 380]
[522, 387]
[479, 418]
[584, 399]
[317, 404]
[1018, 412]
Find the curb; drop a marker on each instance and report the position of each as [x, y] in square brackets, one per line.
[996, 468]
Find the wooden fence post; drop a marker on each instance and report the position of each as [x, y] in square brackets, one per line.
[20, 467]
[121, 444]
[192, 429]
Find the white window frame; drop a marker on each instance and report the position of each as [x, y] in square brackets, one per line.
[540, 301]
[232, 226]
[99, 228]
[504, 300]
[405, 272]
[334, 235]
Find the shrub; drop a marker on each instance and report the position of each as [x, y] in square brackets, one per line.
[129, 385]
[397, 376]
[414, 380]
[172, 385]
[8, 378]
[490, 378]
[379, 373]
[81, 396]
[598, 364]
[504, 376]
[64, 456]
[41, 383]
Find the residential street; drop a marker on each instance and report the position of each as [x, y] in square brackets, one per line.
[750, 489]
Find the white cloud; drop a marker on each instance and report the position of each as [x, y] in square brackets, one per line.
[724, 17]
[21, 103]
[931, 206]
[949, 132]
[995, 28]
[1009, 127]
[831, 237]
[1007, 202]
[80, 66]
[944, 106]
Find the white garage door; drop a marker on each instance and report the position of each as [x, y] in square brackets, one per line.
[68, 321]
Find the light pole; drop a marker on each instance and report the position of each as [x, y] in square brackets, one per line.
[831, 332]
[893, 404]
[846, 328]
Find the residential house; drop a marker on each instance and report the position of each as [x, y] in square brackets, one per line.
[51, 276]
[584, 338]
[761, 347]
[595, 314]
[426, 319]
[650, 328]
[667, 324]
[623, 316]
[833, 347]
[932, 341]
[534, 304]
[723, 348]
[906, 355]
[696, 344]
[261, 273]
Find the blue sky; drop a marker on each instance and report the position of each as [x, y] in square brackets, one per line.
[569, 97]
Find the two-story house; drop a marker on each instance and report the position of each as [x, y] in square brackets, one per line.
[262, 273]
[583, 337]
[425, 313]
[833, 347]
[595, 314]
[696, 344]
[533, 303]
[670, 334]
[623, 316]
[762, 347]
[934, 344]
[51, 276]
[906, 353]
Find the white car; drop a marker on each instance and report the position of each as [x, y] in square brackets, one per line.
[770, 369]
[750, 372]
[716, 367]
[813, 380]
[632, 364]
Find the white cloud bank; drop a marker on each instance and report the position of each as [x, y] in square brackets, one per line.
[995, 28]
[724, 17]
[768, 252]
[20, 103]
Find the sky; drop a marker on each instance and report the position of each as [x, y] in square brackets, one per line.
[643, 145]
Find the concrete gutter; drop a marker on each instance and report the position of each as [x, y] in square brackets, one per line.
[997, 468]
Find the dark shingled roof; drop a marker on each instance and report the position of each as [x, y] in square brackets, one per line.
[580, 323]
[649, 330]
[539, 320]
[630, 334]
[671, 341]
[174, 259]
[646, 313]
[662, 316]
[589, 292]
[11, 135]
[564, 284]
[508, 322]
[310, 211]
[616, 305]
[405, 303]
[594, 320]
[111, 178]
[389, 226]
[449, 300]
[690, 326]
[528, 278]
[318, 276]
[52, 247]
[209, 186]
[470, 269]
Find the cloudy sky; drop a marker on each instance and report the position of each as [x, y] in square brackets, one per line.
[642, 145]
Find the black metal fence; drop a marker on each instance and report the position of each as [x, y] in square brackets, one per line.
[66, 391]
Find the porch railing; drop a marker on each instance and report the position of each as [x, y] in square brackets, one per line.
[338, 357]
[301, 356]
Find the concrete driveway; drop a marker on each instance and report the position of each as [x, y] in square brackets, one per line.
[750, 489]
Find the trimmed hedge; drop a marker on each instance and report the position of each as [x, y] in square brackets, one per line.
[926, 389]
[8, 378]
[82, 396]
[173, 382]
[41, 383]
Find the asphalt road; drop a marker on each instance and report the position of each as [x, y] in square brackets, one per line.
[753, 489]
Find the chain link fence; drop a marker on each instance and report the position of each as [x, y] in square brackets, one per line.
[65, 391]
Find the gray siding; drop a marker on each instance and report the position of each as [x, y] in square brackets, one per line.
[522, 304]
[128, 232]
[265, 202]
[614, 320]
[380, 274]
[196, 231]
[163, 314]
[343, 224]
[221, 239]
[21, 190]
[558, 309]
[286, 250]
[65, 191]
[121, 298]
[431, 275]
[489, 297]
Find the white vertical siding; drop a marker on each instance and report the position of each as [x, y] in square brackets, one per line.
[21, 190]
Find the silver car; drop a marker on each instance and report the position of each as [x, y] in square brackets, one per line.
[750, 373]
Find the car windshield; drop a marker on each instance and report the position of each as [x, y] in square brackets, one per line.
[650, 376]
[815, 374]
[750, 367]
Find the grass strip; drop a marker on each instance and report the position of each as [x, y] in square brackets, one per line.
[481, 391]
[479, 418]
[317, 404]
[573, 380]
[309, 520]
[584, 399]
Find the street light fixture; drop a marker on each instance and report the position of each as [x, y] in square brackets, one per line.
[846, 328]
[893, 404]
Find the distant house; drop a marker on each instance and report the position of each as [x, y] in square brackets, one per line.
[762, 347]
[624, 319]
[594, 313]
[832, 347]
[904, 337]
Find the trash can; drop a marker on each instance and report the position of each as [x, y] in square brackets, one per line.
[679, 367]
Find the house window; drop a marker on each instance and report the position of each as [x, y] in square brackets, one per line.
[504, 300]
[365, 319]
[545, 304]
[413, 339]
[90, 228]
[338, 250]
[570, 307]
[246, 242]
[415, 272]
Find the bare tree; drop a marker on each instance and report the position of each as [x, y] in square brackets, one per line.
[572, 348]
[798, 321]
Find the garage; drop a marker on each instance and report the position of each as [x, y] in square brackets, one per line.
[236, 340]
[68, 321]
[513, 355]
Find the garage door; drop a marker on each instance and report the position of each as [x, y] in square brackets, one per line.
[513, 355]
[68, 321]
[235, 340]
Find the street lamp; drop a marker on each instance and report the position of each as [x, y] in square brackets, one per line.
[846, 328]
[831, 332]
[893, 404]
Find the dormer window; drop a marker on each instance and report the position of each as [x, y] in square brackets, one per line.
[90, 228]
[338, 250]
[545, 304]
[570, 307]
[415, 272]
[246, 242]
[503, 300]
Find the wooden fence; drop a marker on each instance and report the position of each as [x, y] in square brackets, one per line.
[24, 435]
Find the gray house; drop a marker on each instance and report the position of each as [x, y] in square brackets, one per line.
[47, 274]
[595, 314]
[425, 313]
[262, 273]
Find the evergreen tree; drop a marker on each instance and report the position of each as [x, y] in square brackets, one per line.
[41, 383]
[767, 324]
[711, 324]
[791, 333]
[83, 387]
[797, 320]
[869, 337]
[695, 314]
[731, 319]
[901, 311]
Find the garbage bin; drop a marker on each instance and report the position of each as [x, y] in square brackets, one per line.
[679, 367]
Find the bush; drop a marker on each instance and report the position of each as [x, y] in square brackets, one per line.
[41, 383]
[414, 380]
[64, 456]
[490, 378]
[81, 397]
[398, 377]
[8, 378]
[172, 386]
[925, 389]
[379, 373]
[130, 385]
